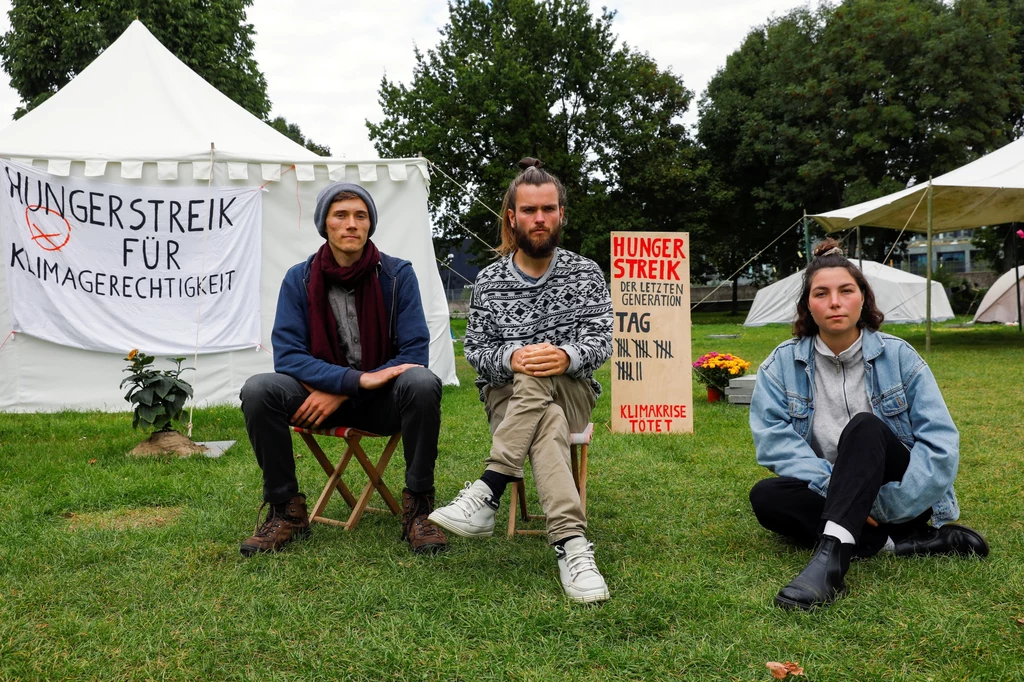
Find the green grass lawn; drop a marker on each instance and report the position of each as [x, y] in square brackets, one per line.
[117, 568]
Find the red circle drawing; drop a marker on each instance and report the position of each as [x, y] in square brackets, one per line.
[49, 237]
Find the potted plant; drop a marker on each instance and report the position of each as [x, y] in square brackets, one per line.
[158, 398]
[716, 369]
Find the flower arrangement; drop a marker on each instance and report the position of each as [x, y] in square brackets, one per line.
[158, 395]
[716, 369]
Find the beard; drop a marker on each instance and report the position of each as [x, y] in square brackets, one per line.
[541, 249]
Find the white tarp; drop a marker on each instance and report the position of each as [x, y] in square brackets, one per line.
[103, 267]
[899, 295]
[1000, 301]
[987, 191]
[146, 105]
[113, 132]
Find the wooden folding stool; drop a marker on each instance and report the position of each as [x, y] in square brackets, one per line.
[578, 444]
[374, 472]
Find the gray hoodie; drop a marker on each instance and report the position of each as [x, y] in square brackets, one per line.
[839, 393]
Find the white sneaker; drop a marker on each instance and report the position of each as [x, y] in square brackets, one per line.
[581, 580]
[470, 514]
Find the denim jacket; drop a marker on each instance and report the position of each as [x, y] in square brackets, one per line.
[903, 394]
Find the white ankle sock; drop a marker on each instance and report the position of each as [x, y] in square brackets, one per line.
[835, 530]
[889, 546]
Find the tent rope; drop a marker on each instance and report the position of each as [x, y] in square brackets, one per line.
[906, 300]
[466, 190]
[897, 241]
[463, 277]
[199, 304]
[298, 201]
[842, 240]
[462, 187]
[9, 337]
[977, 294]
[742, 267]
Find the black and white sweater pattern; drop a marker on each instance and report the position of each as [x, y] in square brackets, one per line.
[569, 307]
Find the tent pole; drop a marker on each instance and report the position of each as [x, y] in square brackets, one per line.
[807, 238]
[928, 291]
[860, 250]
[1016, 273]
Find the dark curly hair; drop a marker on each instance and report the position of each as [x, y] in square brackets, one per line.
[828, 254]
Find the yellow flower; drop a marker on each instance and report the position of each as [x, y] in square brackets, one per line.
[132, 353]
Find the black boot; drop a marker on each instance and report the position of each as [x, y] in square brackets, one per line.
[949, 539]
[821, 583]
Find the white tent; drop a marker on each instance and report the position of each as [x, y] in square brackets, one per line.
[900, 295]
[140, 119]
[1001, 303]
[987, 191]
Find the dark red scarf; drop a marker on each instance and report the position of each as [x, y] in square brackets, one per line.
[374, 334]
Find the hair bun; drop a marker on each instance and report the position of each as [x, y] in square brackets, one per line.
[530, 162]
[828, 247]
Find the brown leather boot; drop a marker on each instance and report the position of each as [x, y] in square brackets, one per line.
[284, 523]
[423, 537]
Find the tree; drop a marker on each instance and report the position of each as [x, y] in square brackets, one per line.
[515, 78]
[292, 132]
[52, 41]
[995, 244]
[833, 106]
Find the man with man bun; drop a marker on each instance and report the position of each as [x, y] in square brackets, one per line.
[540, 323]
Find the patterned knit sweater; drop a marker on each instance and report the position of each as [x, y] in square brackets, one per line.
[568, 307]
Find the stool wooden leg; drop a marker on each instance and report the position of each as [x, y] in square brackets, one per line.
[332, 482]
[512, 511]
[519, 498]
[376, 473]
[329, 469]
[523, 511]
[578, 461]
[581, 482]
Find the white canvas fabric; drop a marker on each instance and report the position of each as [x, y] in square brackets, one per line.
[137, 109]
[987, 191]
[137, 101]
[100, 266]
[1000, 301]
[900, 295]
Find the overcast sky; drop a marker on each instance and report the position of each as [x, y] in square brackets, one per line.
[324, 59]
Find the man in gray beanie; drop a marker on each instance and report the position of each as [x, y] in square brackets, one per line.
[350, 349]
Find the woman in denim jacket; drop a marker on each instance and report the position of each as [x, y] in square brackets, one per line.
[853, 424]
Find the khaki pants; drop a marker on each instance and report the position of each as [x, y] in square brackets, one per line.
[533, 417]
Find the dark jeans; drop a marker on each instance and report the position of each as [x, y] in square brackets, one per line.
[870, 455]
[410, 404]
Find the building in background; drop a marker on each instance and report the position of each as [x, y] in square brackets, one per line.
[952, 251]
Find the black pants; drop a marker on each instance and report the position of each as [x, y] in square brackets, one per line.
[870, 455]
[410, 404]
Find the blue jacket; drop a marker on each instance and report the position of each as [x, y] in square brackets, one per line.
[291, 327]
[903, 394]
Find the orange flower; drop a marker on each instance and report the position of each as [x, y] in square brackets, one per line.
[132, 353]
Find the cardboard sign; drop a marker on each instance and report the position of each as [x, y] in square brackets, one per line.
[113, 267]
[652, 390]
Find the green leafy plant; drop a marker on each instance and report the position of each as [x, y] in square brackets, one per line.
[158, 395]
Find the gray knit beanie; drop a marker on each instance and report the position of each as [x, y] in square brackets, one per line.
[327, 194]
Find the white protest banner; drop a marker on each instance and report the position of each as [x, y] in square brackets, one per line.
[652, 389]
[111, 267]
